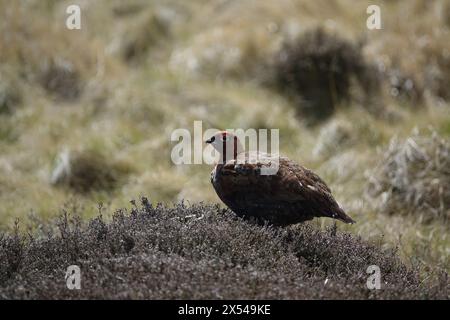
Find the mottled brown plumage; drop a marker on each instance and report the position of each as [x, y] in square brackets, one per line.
[294, 194]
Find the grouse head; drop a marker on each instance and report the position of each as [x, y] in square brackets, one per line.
[227, 144]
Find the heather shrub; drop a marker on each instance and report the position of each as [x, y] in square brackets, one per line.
[199, 252]
[318, 71]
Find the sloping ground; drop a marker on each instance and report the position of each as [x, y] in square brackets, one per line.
[199, 252]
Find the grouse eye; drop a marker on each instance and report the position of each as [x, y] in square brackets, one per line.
[225, 138]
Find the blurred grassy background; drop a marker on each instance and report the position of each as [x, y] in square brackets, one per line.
[86, 115]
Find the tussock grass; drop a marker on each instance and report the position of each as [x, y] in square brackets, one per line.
[88, 171]
[333, 138]
[59, 78]
[200, 252]
[403, 87]
[414, 56]
[48, 54]
[137, 40]
[10, 92]
[413, 177]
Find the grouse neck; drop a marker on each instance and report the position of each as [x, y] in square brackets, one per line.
[236, 146]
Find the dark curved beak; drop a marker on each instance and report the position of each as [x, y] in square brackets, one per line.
[209, 140]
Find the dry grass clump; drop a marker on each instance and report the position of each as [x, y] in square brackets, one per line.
[10, 93]
[318, 70]
[122, 9]
[415, 55]
[402, 86]
[199, 252]
[333, 138]
[218, 52]
[413, 177]
[10, 97]
[44, 53]
[60, 78]
[222, 50]
[148, 31]
[8, 130]
[437, 73]
[88, 171]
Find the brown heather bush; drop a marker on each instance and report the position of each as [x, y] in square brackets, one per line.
[318, 70]
[413, 177]
[199, 252]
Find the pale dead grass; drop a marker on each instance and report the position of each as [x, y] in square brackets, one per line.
[413, 177]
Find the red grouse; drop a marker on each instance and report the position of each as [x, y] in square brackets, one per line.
[291, 195]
